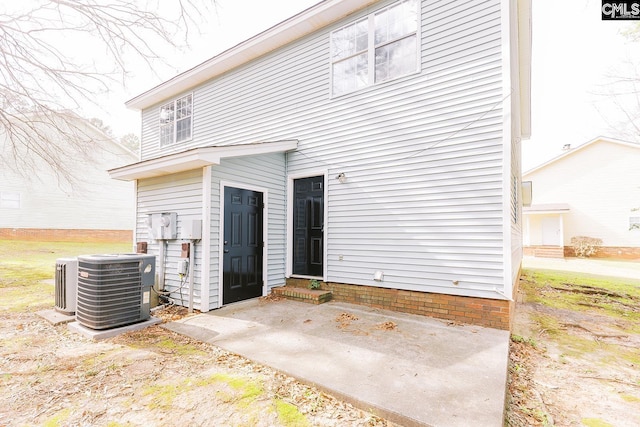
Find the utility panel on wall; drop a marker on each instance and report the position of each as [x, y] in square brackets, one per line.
[191, 229]
[163, 226]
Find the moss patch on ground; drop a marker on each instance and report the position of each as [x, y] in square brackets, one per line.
[618, 298]
[289, 415]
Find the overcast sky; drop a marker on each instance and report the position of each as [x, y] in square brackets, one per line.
[574, 52]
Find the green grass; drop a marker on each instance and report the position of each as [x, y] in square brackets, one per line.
[289, 415]
[595, 422]
[24, 265]
[616, 299]
[610, 296]
[248, 389]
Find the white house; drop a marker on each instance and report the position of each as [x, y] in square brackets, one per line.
[592, 190]
[371, 145]
[38, 205]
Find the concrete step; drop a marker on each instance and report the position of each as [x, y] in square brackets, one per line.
[549, 252]
[311, 296]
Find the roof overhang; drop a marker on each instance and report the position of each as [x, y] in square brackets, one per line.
[196, 158]
[548, 208]
[312, 19]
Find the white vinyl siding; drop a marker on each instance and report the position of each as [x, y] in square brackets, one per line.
[180, 193]
[93, 202]
[599, 184]
[9, 200]
[423, 154]
[265, 173]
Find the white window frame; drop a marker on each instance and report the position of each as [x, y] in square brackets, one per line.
[10, 200]
[372, 47]
[167, 117]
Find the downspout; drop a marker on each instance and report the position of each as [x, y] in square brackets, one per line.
[161, 265]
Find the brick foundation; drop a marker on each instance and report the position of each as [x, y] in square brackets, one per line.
[614, 252]
[72, 235]
[491, 313]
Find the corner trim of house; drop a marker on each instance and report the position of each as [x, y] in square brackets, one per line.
[507, 117]
[205, 286]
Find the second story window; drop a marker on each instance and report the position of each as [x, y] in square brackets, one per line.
[175, 120]
[376, 48]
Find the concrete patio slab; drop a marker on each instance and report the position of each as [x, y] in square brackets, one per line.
[411, 370]
[96, 335]
[55, 317]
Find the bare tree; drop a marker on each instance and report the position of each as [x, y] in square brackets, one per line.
[45, 81]
[621, 90]
[130, 141]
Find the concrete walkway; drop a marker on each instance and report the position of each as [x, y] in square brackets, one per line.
[597, 266]
[411, 370]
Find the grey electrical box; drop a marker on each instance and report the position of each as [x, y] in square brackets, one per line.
[191, 229]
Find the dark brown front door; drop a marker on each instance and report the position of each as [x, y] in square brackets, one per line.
[308, 226]
[243, 245]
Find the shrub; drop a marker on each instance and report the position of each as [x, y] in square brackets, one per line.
[584, 246]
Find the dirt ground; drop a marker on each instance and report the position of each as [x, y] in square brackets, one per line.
[573, 368]
[567, 368]
[50, 376]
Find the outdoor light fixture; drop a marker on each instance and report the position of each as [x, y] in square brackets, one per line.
[378, 276]
[342, 178]
[164, 114]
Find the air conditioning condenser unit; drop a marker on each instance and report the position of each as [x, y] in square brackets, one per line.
[66, 285]
[114, 290]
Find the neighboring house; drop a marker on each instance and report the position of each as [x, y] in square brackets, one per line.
[372, 145]
[592, 190]
[40, 205]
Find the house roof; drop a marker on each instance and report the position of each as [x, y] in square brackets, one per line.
[573, 151]
[546, 208]
[305, 22]
[196, 158]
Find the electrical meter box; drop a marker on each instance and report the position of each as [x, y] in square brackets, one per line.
[163, 226]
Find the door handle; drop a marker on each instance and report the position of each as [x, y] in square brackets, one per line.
[226, 251]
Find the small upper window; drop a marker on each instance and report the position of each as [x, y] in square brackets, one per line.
[634, 222]
[380, 47]
[175, 120]
[9, 200]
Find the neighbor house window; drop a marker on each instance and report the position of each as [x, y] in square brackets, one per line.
[634, 222]
[9, 200]
[175, 120]
[380, 47]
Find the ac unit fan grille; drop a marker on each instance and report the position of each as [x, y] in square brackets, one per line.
[60, 298]
[109, 294]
